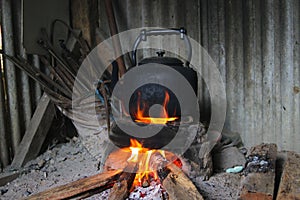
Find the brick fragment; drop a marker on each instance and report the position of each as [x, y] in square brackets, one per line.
[289, 188]
[259, 178]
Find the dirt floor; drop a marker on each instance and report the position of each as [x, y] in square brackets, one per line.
[70, 161]
[60, 165]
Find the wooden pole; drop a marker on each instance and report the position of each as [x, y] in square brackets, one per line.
[10, 71]
[36, 132]
[24, 86]
[4, 155]
[114, 31]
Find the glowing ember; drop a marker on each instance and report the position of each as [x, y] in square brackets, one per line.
[164, 117]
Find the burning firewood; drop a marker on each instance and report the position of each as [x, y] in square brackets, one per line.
[179, 186]
[120, 190]
[129, 172]
[99, 182]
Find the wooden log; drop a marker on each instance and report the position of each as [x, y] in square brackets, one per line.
[290, 179]
[120, 190]
[99, 182]
[117, 159]
[179, 186]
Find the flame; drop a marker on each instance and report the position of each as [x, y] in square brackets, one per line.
[147, 162]
[135, 148]
[164, 117]
[142, 156]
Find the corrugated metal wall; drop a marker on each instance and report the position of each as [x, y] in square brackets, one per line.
[255, 44]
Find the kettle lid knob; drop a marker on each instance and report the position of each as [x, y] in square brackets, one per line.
[160, 53]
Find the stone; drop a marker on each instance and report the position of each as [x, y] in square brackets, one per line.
[289, 188]
[199, 153]
[47, 158]
[27, 193]
[75, 139]
[230, 138]
[257, 183]
[206, 164]
[3, 191]
[52, 161]
[220, 186]
[41, 163]
[228, 158]
[61, 159]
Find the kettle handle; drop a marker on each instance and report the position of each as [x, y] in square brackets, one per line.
[156, 32]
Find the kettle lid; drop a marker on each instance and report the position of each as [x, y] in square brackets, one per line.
[160, 59]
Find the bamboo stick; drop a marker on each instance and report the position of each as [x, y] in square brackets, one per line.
[37, 73]
[56, 74]
[37, 87]
[103, 92]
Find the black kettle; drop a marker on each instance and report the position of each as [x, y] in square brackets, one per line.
[151, 94]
